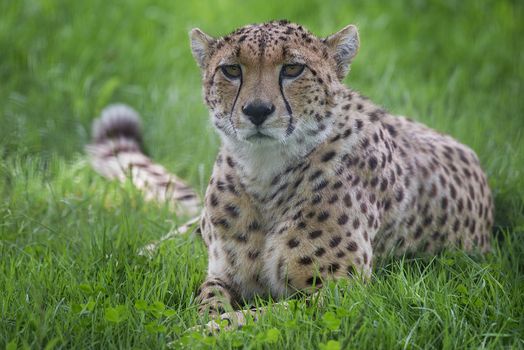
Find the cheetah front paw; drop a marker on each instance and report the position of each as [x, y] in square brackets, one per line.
[227, 321]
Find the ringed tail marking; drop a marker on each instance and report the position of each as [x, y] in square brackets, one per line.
[116, 152]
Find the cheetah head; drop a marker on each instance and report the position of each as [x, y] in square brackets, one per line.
[273, 83]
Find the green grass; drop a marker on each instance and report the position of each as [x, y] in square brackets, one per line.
[69, 273]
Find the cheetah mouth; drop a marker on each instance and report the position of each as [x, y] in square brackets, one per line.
[258, 136]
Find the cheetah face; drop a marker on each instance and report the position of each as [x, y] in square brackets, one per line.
[273, 82]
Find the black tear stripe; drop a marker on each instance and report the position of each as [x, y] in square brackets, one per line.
[290, 126]
[234, 103]
[211, 83]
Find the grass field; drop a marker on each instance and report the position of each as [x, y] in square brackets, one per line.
[69, 273]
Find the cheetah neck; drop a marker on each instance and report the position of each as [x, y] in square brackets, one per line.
[258, 164]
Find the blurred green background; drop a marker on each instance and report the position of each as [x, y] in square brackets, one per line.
[457, 66]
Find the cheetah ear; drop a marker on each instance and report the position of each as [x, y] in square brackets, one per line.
[344, 46]
[200, 46]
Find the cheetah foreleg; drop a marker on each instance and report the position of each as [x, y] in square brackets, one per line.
[216, 296]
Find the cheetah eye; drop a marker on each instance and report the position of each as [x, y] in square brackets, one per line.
[292, 70]
[232, 71]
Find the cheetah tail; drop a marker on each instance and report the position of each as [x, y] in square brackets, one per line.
[116, 152]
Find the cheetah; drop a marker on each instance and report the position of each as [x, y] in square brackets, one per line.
[312, 181]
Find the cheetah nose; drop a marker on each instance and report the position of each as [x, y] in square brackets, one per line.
[258, 111]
